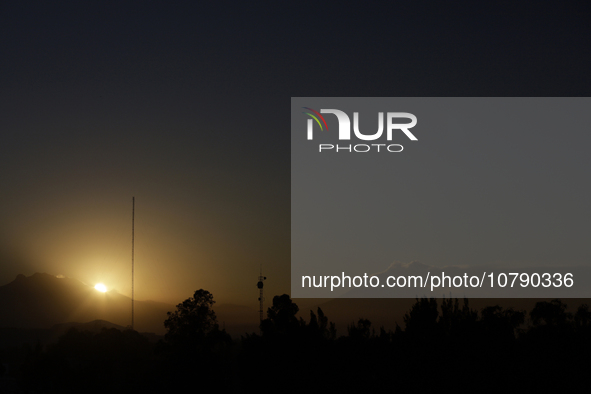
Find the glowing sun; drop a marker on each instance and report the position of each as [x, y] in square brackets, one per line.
[100, 287]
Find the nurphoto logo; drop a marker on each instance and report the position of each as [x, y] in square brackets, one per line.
[345, 130]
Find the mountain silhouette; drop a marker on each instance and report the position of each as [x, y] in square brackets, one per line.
[17, 337]
[43, 301]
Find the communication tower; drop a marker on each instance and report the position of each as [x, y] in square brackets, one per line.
[132, 253]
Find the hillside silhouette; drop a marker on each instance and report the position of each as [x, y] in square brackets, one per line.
[41, 301]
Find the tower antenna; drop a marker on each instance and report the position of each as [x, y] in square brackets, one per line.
[260, 286]
[132, 253]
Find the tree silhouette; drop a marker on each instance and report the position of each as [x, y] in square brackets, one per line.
[583, 317]
[422, 317]
[193, 319]
[457, 321]
[501, 323]
[361, 330]
[551, 313]
[281, 317]
[194, 342]
[327, 329]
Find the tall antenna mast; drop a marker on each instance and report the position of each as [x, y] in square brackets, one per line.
[261, 298]
[132, 253]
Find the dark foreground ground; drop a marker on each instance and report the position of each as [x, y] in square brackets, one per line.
[444, 345]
